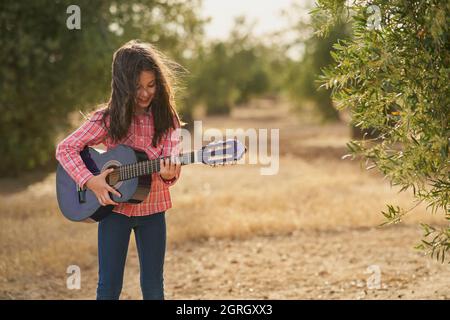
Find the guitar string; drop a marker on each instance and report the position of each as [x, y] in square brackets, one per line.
[130, 171]
[136, 169]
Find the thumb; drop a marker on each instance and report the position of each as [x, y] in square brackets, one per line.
[107, 171]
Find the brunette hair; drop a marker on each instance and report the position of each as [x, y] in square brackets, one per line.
[128, 62]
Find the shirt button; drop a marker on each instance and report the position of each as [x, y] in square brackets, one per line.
[142, 121]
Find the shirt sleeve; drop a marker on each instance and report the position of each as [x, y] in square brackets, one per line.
[91, 132]
[171, 147]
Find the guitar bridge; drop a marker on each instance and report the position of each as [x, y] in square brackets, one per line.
[81, 194]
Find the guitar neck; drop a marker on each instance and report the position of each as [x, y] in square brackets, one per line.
[147, 167]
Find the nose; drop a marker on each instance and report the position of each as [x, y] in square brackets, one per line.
[144, 94]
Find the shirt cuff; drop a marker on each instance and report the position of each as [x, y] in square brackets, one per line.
[84, 177]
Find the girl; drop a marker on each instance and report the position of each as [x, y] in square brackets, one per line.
[140, 113]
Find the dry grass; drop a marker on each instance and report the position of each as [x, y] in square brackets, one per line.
[314, 191]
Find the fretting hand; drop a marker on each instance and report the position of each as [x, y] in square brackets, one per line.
[170, 168]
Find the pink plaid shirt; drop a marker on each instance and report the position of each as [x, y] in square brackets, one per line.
[93, 132]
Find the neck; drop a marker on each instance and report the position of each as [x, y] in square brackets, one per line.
[139, 110]
[147, 167]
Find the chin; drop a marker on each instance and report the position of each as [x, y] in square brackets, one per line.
[144, 105]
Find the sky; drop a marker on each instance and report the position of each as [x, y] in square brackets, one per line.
[265, 12]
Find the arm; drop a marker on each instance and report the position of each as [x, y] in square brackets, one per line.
[68, 151]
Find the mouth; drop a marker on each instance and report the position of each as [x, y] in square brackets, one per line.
[141, 101]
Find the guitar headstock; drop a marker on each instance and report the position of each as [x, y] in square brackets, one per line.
[223, 152]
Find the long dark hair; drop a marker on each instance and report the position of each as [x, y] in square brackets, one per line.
[128, 62]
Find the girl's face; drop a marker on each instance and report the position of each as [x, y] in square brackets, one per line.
[146, 89]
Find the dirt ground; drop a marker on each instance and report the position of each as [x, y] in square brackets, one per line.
[309, 232]
[300, 265]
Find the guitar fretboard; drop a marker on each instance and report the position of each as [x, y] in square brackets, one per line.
[147, 167]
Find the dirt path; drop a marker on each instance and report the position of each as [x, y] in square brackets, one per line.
[300, 265]
[307, 265]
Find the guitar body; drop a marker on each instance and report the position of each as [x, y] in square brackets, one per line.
[82, 205]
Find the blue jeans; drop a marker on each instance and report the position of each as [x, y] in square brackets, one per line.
[113, 238]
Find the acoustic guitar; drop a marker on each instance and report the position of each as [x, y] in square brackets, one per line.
[131, 176]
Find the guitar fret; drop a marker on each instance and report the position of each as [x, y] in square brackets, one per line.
[148, 167]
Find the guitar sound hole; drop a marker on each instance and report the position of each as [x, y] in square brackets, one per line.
[114, 177]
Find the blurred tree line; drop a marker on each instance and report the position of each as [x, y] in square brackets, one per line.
[49, 71]
[230, 72]
[302, 74]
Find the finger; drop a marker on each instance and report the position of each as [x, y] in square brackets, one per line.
[176, 162]
[100, 200]
[162, 166]
[167, 163]
[108, 200]
[112, 190]
[171, 170]
[169, 166]
[107, 171]
[172, 164]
